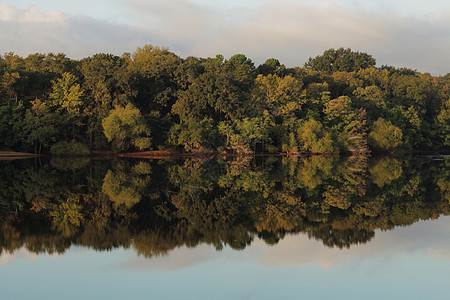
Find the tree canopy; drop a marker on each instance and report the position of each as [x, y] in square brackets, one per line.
[340, 60]
[337, 102]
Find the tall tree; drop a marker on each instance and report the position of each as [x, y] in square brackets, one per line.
[38, 126]
[126, 128]
[346, 60]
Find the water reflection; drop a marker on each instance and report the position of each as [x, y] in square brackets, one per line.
[156, 206]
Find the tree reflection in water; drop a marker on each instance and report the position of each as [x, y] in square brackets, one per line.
[155, 206]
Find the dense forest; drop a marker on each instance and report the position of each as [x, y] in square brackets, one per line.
[155, 206]
[152, 99]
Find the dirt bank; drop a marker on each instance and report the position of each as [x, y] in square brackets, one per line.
[8, 155]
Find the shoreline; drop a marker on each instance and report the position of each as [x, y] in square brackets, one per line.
[161, 154]
[10, 155]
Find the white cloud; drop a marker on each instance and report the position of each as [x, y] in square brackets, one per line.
[30, 31]
[293, 31]
[9, 13]
[425, 238]
[287, 30]
[22, 253]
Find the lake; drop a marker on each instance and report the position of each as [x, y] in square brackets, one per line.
[243, 228]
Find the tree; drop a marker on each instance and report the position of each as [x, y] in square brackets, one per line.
[340, 60]
[38, 126]
[253, 131]
[7, 81]
[66, 99]
[151, 79]
[271, 66]
[385, 136]
[11, 122]
[281, 96]
[67, 95]
[196, 134]
[444, 122]
[217, 89]
[125, 128]
[103, 76]
[339, 112]
[315, 138]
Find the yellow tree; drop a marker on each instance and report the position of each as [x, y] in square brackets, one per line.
[385, 136]
[66, 97]
[279, 95]
[125, 127]
[67, 94]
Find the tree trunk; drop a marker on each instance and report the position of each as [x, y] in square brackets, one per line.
[90, 138]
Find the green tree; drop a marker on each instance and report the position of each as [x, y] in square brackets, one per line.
[217, 89]
[315, 138]
[346, 60]
[385, 136]
[67, 95]
[11, 121]
[38, 126]
[339, 112]
[196, 134]
[254, 131]
[66, 99]
[280, 96]
[150, 82]
[444, 122]
[125, 128]
[103, 77]
[271, 66]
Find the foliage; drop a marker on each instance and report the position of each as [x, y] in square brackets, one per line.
[125, 127]
[341, 201]
[314, 138]
[12, 117]
[340, 60]
[152, 97]
[38, 128]
[66, 94]
[69, 148]
[385, 136]
[444, 122]
[124, 185]
[280, 96]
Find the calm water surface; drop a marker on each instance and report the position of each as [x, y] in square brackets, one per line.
[274, 228]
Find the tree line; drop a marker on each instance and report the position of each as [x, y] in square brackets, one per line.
[153, 99]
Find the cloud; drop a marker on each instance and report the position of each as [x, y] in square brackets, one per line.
[30, 31]
[288, 30]
[292, 32]
[22, 253]
[31, 15]
[426, 238]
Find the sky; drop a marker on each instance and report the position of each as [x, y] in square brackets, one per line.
[401, 33]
